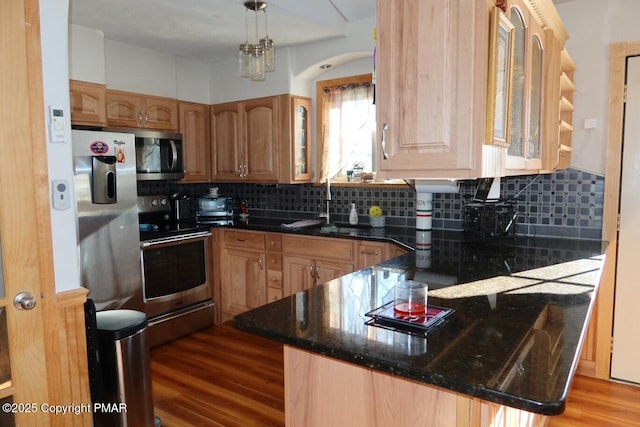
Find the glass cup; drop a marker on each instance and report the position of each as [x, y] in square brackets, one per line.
[410, 298]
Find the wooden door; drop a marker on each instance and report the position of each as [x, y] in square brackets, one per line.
[25, 230]
[300, 143]
[370, 253]
[626, 340]
[260, 127]
[430, 112]
[328, 270]
[244, 281]
[196, 140]
[226, 140]
[159, 113]
[123, 109]
[298, 274]
[87, 103]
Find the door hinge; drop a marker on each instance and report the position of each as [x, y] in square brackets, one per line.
[618, 223]
[611, 350]
[624, 95]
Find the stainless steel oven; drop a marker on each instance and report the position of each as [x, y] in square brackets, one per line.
[175, 275]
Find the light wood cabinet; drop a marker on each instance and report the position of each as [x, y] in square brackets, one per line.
[262, 140]
[538, 102]
[295, 139]
[530, 56]
[196, 141]
[432, 116]
[243, 272]
[87, 103]
[431, 113]
[244, 140]
[125, 109]
[370, 253]
[255, 267]
[308, 261]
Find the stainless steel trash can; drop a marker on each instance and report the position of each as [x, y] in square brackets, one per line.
[124, 397]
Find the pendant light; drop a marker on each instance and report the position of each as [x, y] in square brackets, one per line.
[268, 47]
[258, 58]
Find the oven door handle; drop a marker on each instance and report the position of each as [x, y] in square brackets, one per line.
[173, 239]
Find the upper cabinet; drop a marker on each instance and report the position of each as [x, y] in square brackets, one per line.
[261, 140]
[244, 139]
[431, 74]
[467, 90]
[87, 103]
[125, 109]
[196, 140]
[536, 125]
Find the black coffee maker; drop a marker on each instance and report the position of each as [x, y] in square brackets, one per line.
[181, 207]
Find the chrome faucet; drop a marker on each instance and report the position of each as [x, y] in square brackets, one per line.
[326, 214]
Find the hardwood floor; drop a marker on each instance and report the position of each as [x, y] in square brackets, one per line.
[224, 377]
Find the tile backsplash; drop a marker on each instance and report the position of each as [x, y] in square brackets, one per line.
[565, 204]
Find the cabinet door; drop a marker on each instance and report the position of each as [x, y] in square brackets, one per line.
[244, 281]
[300, 145]
[124, 109]
[226, 142]
[160, 113]
[431, 87]
[260, 129]
[87, 103]
[370, 253]
[298, 274]
[194, 127]
[328, 270]
[525, 151]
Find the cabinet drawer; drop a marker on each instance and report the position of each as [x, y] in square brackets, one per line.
[319, 247]
[243, 239]
[274, 242]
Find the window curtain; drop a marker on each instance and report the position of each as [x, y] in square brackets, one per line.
[347, 113]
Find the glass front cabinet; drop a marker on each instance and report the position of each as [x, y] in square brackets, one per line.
[535, 112]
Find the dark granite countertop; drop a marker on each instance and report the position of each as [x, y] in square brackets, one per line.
[521, 311]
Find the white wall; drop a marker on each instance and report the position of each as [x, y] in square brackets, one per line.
[54, 39]
[86, 54]
[134, 69]
[593, 25]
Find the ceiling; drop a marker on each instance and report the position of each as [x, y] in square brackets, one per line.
[210, 30]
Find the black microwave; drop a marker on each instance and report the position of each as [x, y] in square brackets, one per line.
[159, 155]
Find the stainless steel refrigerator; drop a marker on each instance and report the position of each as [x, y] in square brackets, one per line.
[106, 197]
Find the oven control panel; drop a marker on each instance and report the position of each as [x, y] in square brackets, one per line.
[156, 203]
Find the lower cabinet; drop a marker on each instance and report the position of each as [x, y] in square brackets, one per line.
[301, 273]
[308, 261]
[259, 267]
[243, 272]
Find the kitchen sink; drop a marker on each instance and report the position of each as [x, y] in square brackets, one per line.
[350, 231]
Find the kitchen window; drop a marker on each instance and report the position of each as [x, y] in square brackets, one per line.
[346, 129]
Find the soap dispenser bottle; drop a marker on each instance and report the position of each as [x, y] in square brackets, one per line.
[353, 215]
